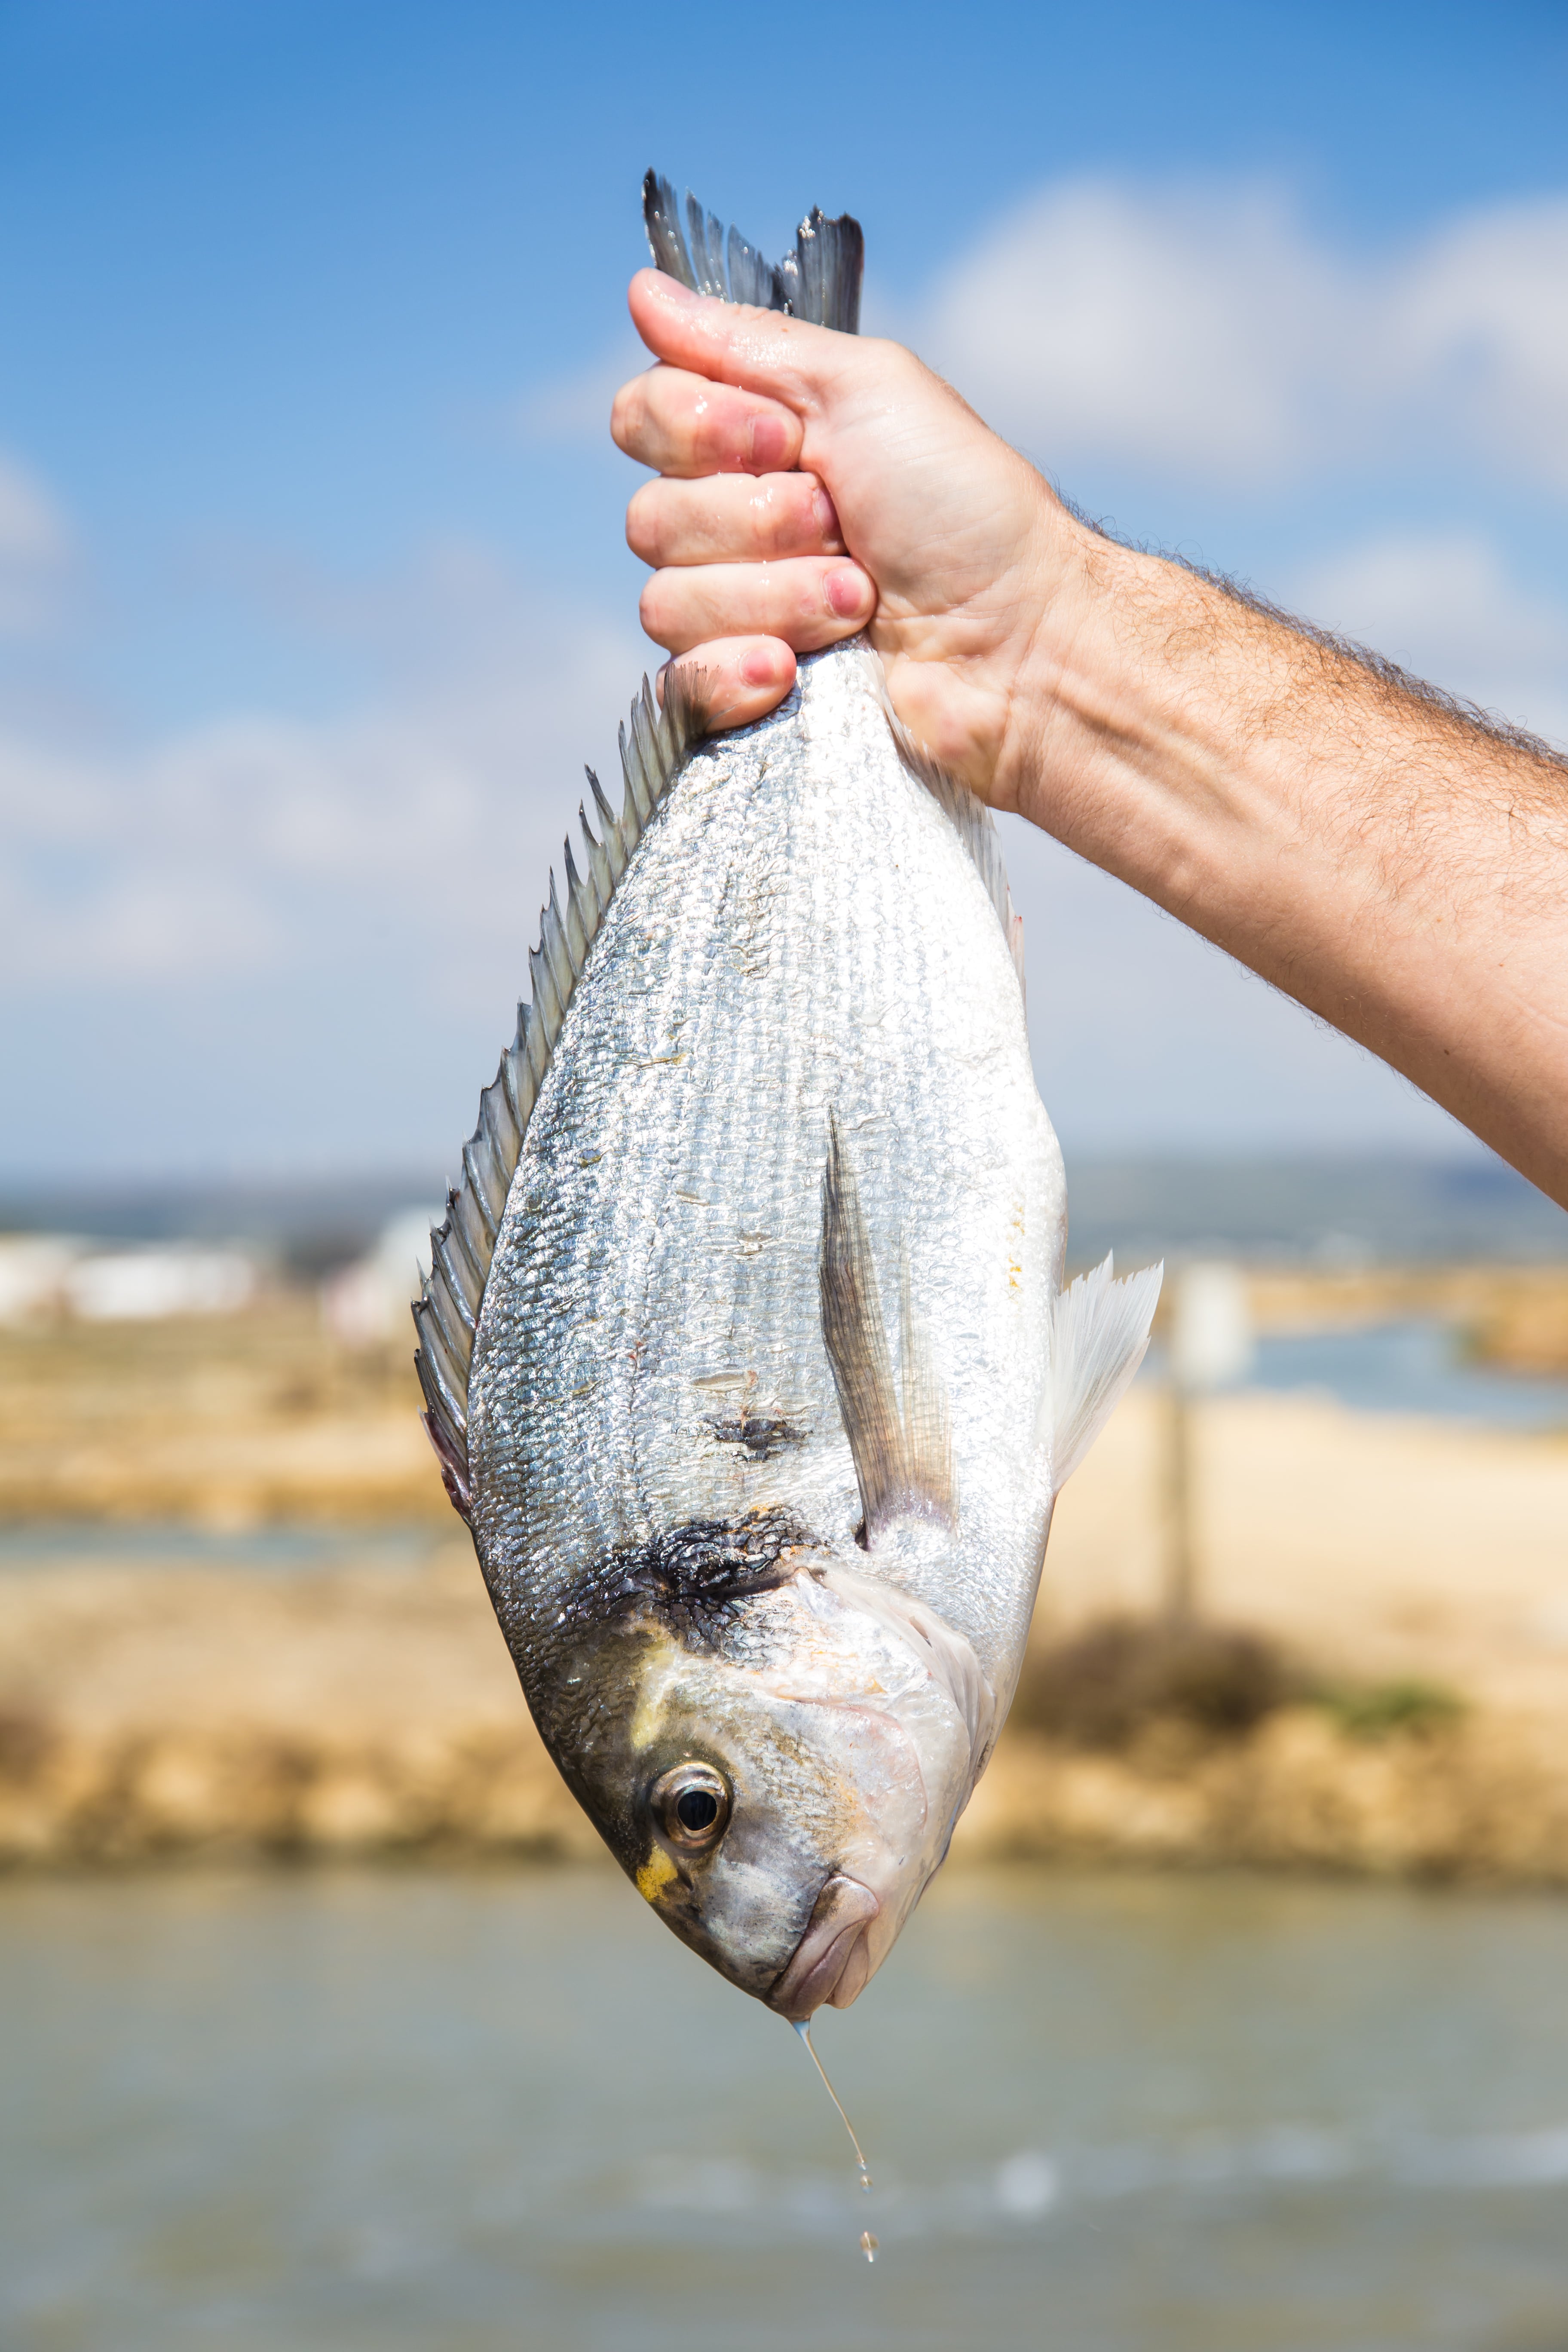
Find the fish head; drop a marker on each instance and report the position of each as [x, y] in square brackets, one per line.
[782, 1769]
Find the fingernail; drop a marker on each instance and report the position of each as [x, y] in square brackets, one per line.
[827, 515]
[759, 668]
[846, 593]
[674, 291]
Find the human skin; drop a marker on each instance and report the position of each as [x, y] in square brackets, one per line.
[1395, 866]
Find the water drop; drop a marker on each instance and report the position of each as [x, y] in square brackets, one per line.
[802, 2027]
[868, 2245]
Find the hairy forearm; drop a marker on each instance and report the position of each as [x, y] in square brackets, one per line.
[1397, 870]
[1394, 867]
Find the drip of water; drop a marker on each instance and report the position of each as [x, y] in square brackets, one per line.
[802, 2027]
[868, 2245]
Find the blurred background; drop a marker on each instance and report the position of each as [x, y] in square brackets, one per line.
[1235, 2021]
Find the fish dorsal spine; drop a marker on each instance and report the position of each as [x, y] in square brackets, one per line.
[655, 746]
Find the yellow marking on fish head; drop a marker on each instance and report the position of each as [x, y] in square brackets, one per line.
[664, 1662]
[656, 1874]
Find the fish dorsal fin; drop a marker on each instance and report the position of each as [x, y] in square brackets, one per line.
[970, 819]
[1100, 1331]
[819, 281]
[655, 747]
[901, 1444]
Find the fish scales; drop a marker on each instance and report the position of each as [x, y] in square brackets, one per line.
[664, 1225]
[745, 1347]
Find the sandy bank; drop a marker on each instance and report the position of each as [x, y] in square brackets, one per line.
[163, 1711]
[189, 1713]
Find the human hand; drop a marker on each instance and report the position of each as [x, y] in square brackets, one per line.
[1372, 852]
[811, 484]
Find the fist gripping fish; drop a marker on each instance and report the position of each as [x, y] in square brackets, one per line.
[745, 1347]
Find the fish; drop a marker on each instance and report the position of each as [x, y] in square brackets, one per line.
[746, 1350]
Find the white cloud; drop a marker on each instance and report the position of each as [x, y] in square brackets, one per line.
[1146, 1037]
[34, 548]
[1208, 331]
[1445, 606]
[577, 408]
[419, 825]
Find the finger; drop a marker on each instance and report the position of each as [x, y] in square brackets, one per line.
[736, 679]
[682, 424]
[810, 601]
[788, 359]
[732, 519]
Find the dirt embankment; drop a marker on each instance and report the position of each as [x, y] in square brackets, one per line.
[186, 1713]
[225, 1422]
[1407, 1585]
[1512, 1318]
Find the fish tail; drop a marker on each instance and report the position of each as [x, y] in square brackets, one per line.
[818, 280]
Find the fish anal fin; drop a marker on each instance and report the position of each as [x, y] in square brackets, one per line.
[1100, 1331]
[900, 1444]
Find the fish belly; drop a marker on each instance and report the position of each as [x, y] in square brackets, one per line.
[801, 935]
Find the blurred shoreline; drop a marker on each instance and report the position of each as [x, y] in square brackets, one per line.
[237, 1619]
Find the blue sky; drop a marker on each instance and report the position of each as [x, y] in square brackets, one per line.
[312, 590]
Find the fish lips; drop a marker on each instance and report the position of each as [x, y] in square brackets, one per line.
[832, 1962]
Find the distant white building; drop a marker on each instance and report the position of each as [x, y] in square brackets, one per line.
[366, 1305]
[145, 1285]
[33, 1270]
[60, 1274]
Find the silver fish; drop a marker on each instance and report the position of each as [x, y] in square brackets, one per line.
[745, 1345]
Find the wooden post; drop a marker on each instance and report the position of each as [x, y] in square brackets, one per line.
[1181, 1548]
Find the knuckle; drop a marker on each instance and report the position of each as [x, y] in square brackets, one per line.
[645, 531]
[651, 605]
[628, 416]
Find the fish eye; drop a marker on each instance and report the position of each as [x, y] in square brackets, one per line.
[693, 1803]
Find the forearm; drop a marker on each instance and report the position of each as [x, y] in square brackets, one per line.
[1395, 869]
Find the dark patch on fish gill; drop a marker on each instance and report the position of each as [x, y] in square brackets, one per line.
[692, 1579]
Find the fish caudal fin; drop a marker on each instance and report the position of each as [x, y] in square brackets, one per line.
[1100, 1331]
[819, 281]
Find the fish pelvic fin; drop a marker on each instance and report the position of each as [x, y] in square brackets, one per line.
[1100, 1332]
[899, 1438]
[818, 280]
[655, 745]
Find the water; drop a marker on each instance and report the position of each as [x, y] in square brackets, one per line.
[271, 1550]
[803, 2027]
[1416, 1366]
[449, 2113]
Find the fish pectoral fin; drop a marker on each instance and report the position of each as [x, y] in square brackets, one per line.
[1100, 1331]
[898, 1437]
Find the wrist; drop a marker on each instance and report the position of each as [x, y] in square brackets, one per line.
[1140, 728]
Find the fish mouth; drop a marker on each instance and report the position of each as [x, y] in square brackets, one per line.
[832, 1961]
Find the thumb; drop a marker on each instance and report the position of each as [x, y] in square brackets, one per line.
[729, 342]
